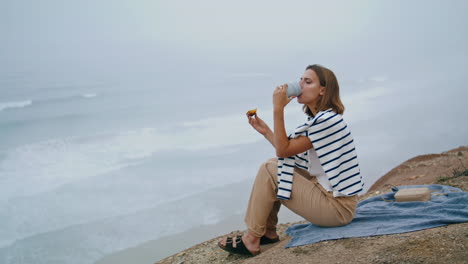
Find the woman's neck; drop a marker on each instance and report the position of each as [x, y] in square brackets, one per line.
[313, 109]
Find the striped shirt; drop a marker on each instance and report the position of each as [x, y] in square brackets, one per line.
[334, 145]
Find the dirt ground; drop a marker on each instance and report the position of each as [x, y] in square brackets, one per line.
[448, 244]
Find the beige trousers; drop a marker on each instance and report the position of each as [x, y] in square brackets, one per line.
[308, 199]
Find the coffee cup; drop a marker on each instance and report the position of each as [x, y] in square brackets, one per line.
[294, 89]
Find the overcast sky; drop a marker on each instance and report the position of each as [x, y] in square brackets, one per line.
[240, 37]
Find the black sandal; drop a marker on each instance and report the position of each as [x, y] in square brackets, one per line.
[265, 240]
[240, 248]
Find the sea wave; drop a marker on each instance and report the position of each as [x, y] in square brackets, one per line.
[51, 163]
[69, 97]
[29, 102]
[15, 104]
[89, 95]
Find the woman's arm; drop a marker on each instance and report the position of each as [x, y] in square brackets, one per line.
[285, 147]
[258, 124]
[270, 137]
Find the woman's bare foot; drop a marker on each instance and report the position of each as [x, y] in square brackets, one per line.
[271, 234]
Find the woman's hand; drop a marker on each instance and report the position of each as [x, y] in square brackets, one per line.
[258, 124]
[280, 97]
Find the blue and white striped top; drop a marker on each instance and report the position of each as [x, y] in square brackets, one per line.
[334, 145]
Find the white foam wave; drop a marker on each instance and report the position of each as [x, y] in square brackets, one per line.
[25, 103]
[46, 165]
[89, 95]
[15, 104]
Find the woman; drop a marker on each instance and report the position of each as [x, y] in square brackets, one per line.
[316, 174]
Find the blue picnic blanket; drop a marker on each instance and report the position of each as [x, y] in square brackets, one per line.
[381, 215]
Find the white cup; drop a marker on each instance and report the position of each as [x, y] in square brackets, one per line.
[294, 89]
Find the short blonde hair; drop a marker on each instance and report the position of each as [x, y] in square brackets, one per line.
[331, 98]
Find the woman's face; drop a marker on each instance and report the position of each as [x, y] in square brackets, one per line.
[311, 89]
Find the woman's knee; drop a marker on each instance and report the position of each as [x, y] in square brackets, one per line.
[269, 170]
[272, 166]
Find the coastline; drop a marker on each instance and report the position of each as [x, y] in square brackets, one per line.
[155, 250]
[158, 249]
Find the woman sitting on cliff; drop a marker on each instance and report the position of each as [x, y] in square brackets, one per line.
[316, 174]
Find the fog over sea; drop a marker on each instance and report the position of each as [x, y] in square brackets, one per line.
[120, 125]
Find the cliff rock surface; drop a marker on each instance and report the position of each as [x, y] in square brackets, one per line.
[448, 244]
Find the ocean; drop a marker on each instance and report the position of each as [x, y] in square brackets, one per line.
[91, 166]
